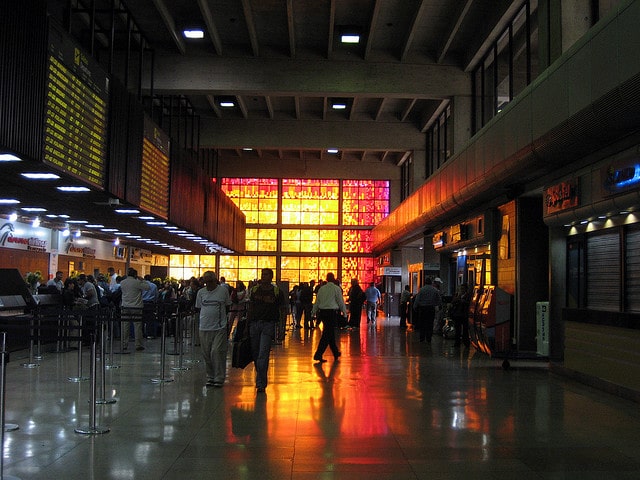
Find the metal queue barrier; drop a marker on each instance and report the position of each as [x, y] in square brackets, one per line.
[4, 358]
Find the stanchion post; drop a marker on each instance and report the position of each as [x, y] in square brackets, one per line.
[3, 383]
[79, 377]
[31, 363]
[92, 428]
[163, 337]
[103, 380]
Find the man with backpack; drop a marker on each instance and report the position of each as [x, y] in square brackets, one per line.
[266, 306]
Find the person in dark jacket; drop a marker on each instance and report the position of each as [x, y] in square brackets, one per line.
[356, 298]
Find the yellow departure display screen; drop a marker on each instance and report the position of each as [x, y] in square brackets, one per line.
[76, 111]
[154, 187]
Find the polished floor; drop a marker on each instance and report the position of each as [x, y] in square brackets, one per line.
[391, 408]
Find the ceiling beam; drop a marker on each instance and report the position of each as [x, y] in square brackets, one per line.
[408, 42]
[380, 108]
[267, 100]
[407, 110]
[296, 102]
[251, 27]
[372, 28]
[352, 114]
[211, 26]
[258, 76]
[170, 23]
[404, 158]
[290, 24]
[309, 134]
[332, 23]
[455, 28]
[212, 103]
[434, 117]
[242, 106]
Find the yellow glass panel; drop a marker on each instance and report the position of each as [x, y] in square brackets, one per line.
[290, 234]
[247, 204]
[176, 261]
[207, 261]
[328, 247]
[290, 246]
[268, 234]
[290, 205]
[265, 261]
[329, 235]
[267, 245]
[328, 218]
[251, 245]
[292, 276]
[266, 218]
[290, 262]
[329, 206]
[251, 233]
[229, 261]
[308, 234]
[191, 261]
[248, 262]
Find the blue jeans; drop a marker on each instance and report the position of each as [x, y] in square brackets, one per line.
[372, 312]
[262, 334]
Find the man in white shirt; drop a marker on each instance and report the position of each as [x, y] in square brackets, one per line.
[57, 281]
[132, 287]
[328, 301]
[213, 302]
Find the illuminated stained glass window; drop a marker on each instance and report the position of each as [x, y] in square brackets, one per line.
[309, 240]
[261, 240]
[256, 197]
[364, 202]
[310, 202]
[306, 252]
[356, 241]
[362, 268]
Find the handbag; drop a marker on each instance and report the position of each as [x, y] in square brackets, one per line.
[241, 355]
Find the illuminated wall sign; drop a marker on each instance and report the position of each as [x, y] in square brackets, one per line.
[154, 184]
[622, 176]
[457, 233]
[561, 196]
[21, 236]
[76, 111]
[438, 239]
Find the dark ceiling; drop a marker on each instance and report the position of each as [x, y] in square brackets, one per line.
[283, 63]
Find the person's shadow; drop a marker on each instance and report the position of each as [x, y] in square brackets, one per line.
[324, 410]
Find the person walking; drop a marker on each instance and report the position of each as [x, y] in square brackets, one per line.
[212, 305]
[266, 306]
[328, 302]
[424, 305]
[373, 296]
[405, 298]
[460, 314]
[356, 299]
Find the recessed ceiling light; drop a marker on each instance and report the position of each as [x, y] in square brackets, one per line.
[126, 210]
[94, 225]
[193, 33]
[339, 105]
[73, 189]
[332, 150]
[40, 176]
[146, 217]
[109, 229]
[9, 201]
[156, 223]
[33, 209]
[77, 221]
[350, 38]
[9, 157]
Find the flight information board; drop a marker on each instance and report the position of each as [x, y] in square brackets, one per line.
[154, 185]
[76, 111]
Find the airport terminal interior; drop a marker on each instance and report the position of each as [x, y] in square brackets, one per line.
[390, 408]
[491, 144]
